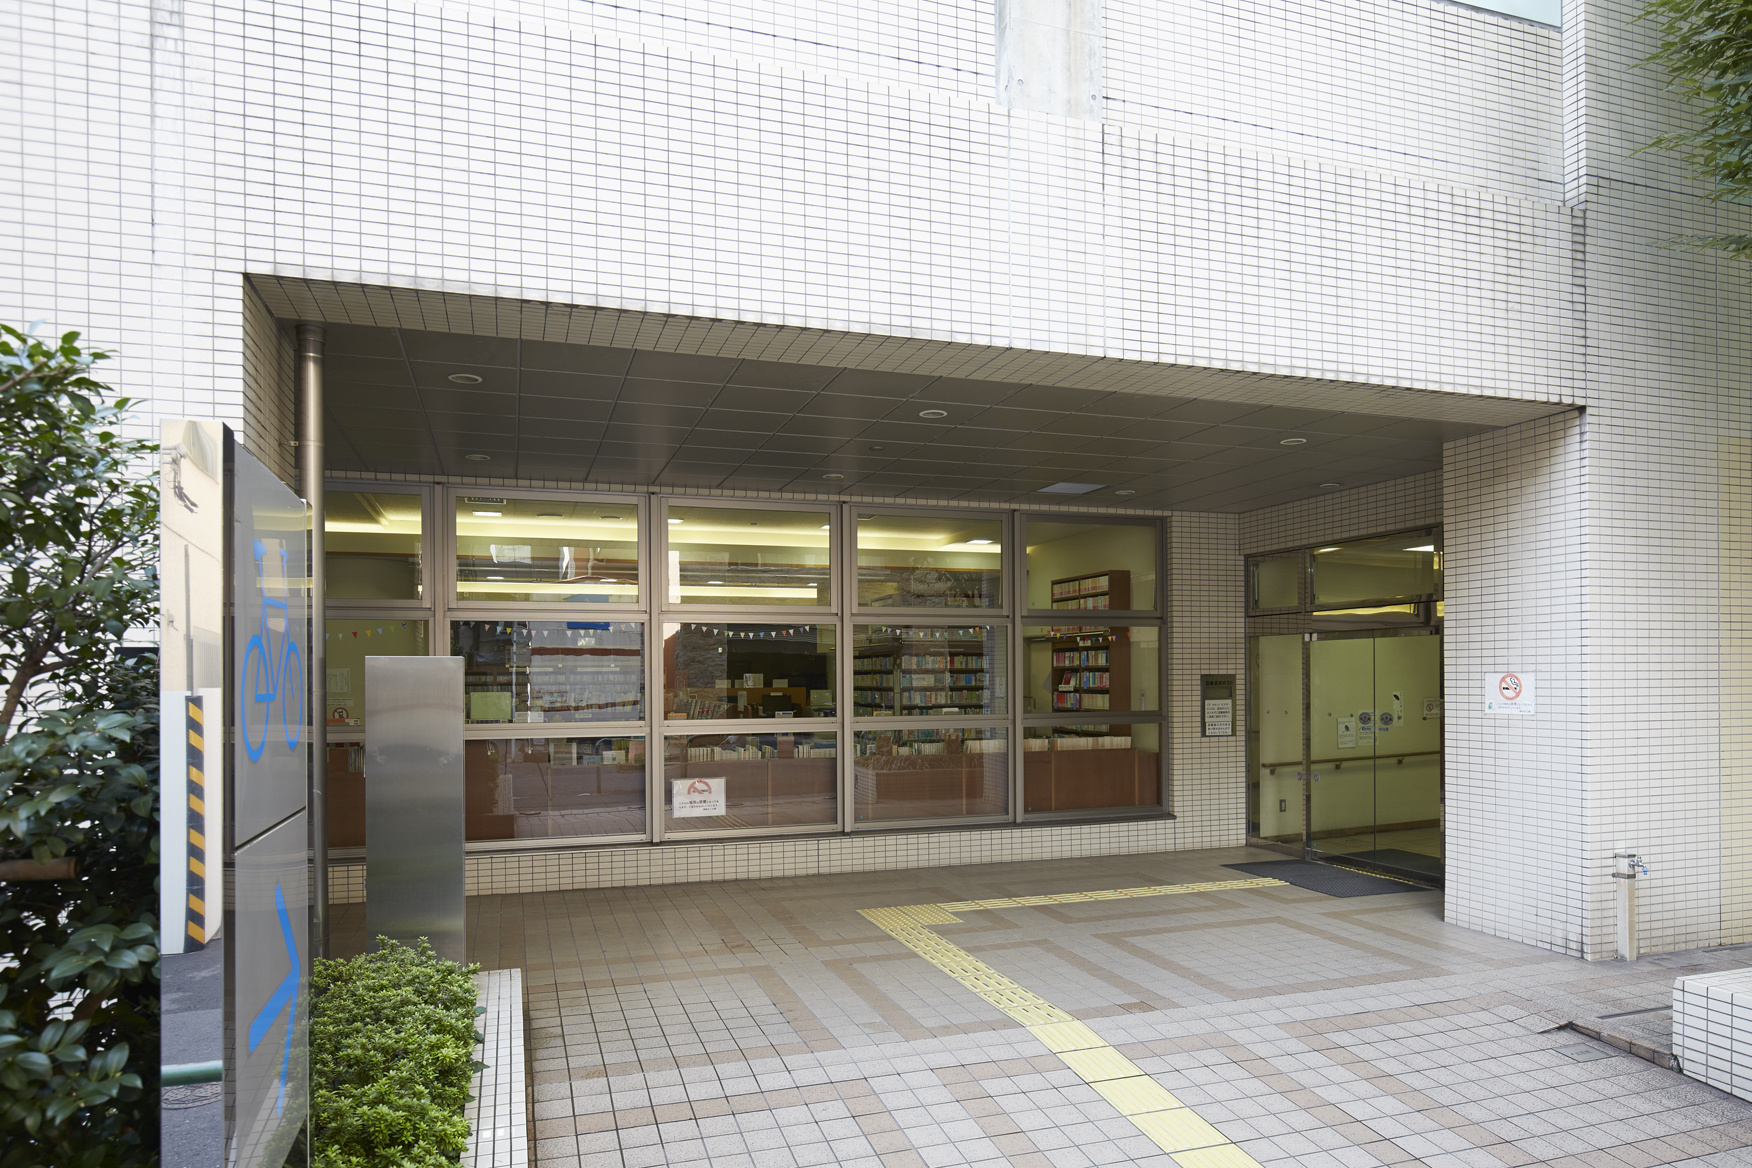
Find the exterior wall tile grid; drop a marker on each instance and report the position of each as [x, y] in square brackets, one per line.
[636, 164]
[1206, 604]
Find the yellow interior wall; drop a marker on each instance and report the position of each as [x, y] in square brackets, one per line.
[1097, 548]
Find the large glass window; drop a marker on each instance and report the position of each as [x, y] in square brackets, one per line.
[725, 556]
[546, 550]
[930, 561]
[548, 788]
[916, 671]
[715, 670]
[1103, 668]
[1275, 581]
[1398, 567]
[1091, 767]
[349, 642]
[551, 671]
[1091, 565]
[372, 545]
[718, 782]
[931, 774]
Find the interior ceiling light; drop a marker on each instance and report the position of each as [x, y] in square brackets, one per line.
[610, 580]
[1428, 547]
[490, 514]
[1292, 442]
[714, 581]
[1071, 488]
[933, 413]
[495, 577]
[552, 515]
[825, 526]
[479, 457]
[979, 541]
[677, 521]
[1317, 551]
[465, 379]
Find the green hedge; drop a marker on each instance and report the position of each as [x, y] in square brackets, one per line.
[392, 1041]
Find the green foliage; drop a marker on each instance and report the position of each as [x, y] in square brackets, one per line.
[78, 1087]
[78, 770]
[392, 1041]
[1706, 49]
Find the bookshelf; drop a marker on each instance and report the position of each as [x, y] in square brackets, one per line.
[921, 672]
[1089, 667]
[1093, 590]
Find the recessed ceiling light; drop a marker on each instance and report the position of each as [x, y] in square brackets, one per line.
[495, 577]
[677, 521]
[1329, 486]
[875, 448]
[714, 581]
[1317, 551]
[833, 476]
[1428, 547]
[465, 379]
[933, 413]
[1125, 492]
[826, 526]
[479, 457]
[979, 541]
[490, 514]
[1292, 442]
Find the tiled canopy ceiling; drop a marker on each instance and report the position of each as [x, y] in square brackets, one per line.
[412, 402]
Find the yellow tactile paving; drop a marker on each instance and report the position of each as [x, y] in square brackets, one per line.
[1174, 1127]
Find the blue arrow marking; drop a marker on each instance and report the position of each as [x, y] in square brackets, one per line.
[281, 1000]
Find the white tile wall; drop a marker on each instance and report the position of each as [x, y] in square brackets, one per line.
[1355, 197]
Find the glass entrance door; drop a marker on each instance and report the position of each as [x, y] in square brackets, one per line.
[1375, 747]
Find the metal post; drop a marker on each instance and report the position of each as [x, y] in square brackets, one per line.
[1625, 866]
[309, 377]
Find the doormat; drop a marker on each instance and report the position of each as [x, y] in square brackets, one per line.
[1317, 877]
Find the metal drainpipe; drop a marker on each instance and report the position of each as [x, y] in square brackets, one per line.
[309, 376]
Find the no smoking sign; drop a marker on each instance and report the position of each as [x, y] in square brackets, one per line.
[1508, 693]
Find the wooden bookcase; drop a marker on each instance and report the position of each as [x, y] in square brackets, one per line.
[917, 677]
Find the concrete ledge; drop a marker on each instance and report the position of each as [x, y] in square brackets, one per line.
[1712, 1029]
[498, 1115]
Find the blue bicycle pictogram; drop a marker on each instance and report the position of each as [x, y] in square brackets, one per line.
[269, 679]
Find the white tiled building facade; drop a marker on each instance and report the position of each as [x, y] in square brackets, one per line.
[1406, 207]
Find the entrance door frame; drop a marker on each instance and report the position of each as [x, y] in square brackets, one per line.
[1423, 613]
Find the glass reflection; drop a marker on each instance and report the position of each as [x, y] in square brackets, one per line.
[372, 545]
[547, 550]
[732, 556]
[1091, 565]
[930, 561]
[748, 671]
[551, 671]
[545, 788]
[718, 782]
[1399, 567]
[930, 774]
[348, 643]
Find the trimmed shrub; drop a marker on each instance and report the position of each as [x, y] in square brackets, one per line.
[392, 1041]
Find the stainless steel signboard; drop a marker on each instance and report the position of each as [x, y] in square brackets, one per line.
[415, 878]
[271, 970]
[234, 836]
